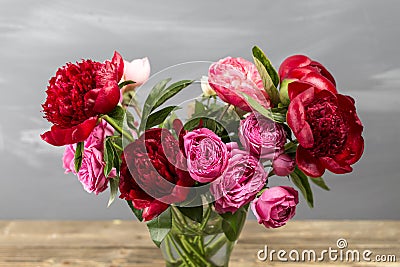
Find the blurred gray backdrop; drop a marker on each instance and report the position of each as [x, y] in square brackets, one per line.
[357, 40]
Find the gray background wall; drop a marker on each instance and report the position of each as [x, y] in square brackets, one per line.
[357, 40]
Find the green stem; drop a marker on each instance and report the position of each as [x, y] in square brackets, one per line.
[218, 244]
[118, 128]
[183, 256]
[223, 112]
[194, 250]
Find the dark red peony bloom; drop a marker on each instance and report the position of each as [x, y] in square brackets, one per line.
[77, 94]
[328, 130]
[154, 173]
[306, 72]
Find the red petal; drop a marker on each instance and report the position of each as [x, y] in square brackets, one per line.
[58, 136]
[308, 163]
[153, 210]
[297, 87]
[335, 166]
[119, 63]
[323, 71]
[103, 100]
[291, 63]
[319, 82]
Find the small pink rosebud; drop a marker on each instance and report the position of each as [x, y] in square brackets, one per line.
[138, 71]
[283, 165]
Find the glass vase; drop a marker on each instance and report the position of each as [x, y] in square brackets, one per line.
[197, 244]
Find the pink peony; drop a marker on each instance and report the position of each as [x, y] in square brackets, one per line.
[283, 165]
[91, 173]
[231, 76]
[262, 137]
[137, 70]
[275, 206]
[243, 179]
[207, 155]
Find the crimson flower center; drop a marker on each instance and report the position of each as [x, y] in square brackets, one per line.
[328, 127]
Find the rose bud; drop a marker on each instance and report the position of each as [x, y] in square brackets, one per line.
[230, 77]
[137, 70]
[283, 165]
[275, 206]
[300, 69]
[262, 137]
[77, 95]
[206, 88]
[243, 179]
[207, 155]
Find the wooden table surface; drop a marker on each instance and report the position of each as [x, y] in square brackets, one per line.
[126, 243]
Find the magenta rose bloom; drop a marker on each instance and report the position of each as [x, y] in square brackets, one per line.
[328, 130]
[261, 136]
[302, 69]
[243, 179]
[275, 206]
[283, 165]
[231, 76]
[77, 95]
[207, 155]
[91, 174]
[153, 173]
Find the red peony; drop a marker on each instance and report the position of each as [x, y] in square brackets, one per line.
[305, 72]
[328, 130]
[77, 95]
[153, 173]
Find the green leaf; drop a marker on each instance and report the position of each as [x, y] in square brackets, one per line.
[319, 181]
[124, 83]
[109, 155]
[138, 213]
[172, 90]
[275, 116]
[265, 70]
[151, 100]
[130, 120]
[300, 180]
[193, 213]
[78, 156]
[114, 184]
[199, 108]
[158, 117]
[118, 115]
[291, 147]
[260, 55]
[160, 226]
[232, 224]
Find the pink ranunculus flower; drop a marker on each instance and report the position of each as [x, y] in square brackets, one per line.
[242, 180]
[207, 155]
[262, 137]
[283, 165]
[137, 70]
[275, 206]
[91, 173]
[230, 77]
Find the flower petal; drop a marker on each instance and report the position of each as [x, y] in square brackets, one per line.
[58, 136]
[119, 63]
[323, 71]
[319, 82]
[102, 100]
[291, 63]
[334, 166]
[153, 210]
[310, 165]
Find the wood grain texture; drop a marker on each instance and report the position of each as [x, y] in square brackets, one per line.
[126, 243]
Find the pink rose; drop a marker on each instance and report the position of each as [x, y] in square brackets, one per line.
[275, 206]
[243, 179]
[207, 155]
[283, 165]
[91, 173]
[231, 76]
[262, 137]
[137, 70]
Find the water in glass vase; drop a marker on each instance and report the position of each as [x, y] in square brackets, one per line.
[197, 244]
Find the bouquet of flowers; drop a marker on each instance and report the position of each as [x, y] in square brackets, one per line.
[192, 181]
